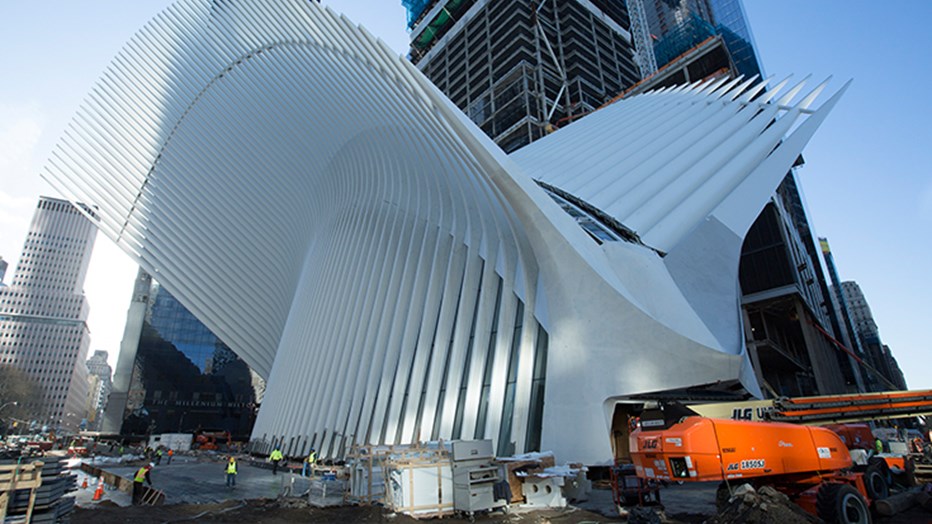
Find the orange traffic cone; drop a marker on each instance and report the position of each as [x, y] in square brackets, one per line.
[84, 485]
[100, 490]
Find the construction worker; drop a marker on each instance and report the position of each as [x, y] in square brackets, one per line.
[276, 457]
[878, 445]
[231, 473]
[309, 464]
[171, 453]
[142, 475]
[158, 456]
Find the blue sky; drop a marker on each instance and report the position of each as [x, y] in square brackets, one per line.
[868, 173]
[867, 181]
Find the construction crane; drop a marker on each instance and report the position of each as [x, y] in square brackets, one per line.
[643, 45]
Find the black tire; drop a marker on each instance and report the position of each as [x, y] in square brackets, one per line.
[842, 504]
[881, 465]
[722, 496]
[875, 481]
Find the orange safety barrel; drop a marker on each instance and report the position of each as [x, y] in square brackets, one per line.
[705, 449]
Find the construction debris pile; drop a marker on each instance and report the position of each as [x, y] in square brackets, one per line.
[534, 479]
[763, 506]
[519, 467]
[438, 479]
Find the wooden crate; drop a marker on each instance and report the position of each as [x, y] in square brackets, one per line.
[420, 487]
[368, 464]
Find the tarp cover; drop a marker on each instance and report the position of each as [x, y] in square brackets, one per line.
[415, 8]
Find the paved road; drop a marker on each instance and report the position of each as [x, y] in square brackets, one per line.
[204, 482]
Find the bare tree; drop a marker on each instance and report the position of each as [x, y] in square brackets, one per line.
[16, 386]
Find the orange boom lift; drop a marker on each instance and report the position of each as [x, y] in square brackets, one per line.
[810, 464]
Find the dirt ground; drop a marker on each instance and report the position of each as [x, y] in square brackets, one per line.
[272, 512]
[267, 511]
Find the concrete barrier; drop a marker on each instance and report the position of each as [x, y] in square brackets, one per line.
[111, 479]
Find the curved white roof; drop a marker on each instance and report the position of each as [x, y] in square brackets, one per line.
[327, 212]
[662, 162]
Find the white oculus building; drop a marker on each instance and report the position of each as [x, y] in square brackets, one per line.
[415, 282]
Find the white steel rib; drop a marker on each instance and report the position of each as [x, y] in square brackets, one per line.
[328, 213]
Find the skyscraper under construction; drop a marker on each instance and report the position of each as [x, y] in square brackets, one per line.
[519, 67]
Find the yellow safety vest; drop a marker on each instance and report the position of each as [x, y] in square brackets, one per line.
[276, 455]
[140, 475]
[231, 468]
[312, 458]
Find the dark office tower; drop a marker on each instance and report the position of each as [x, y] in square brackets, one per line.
[679, 25]
[43, 312]
[896, 374]
[791, 324]
[878, 353]
[174, 374]
[843, 325]
[517, 67]
[732, 24]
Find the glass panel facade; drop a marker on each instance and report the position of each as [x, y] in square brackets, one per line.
[683, 24]
[489, 361]
[185, 378]
[732, 24]
[764, 261]
[536, 414]
[505, 446]
[464, 379]
[593, 224]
